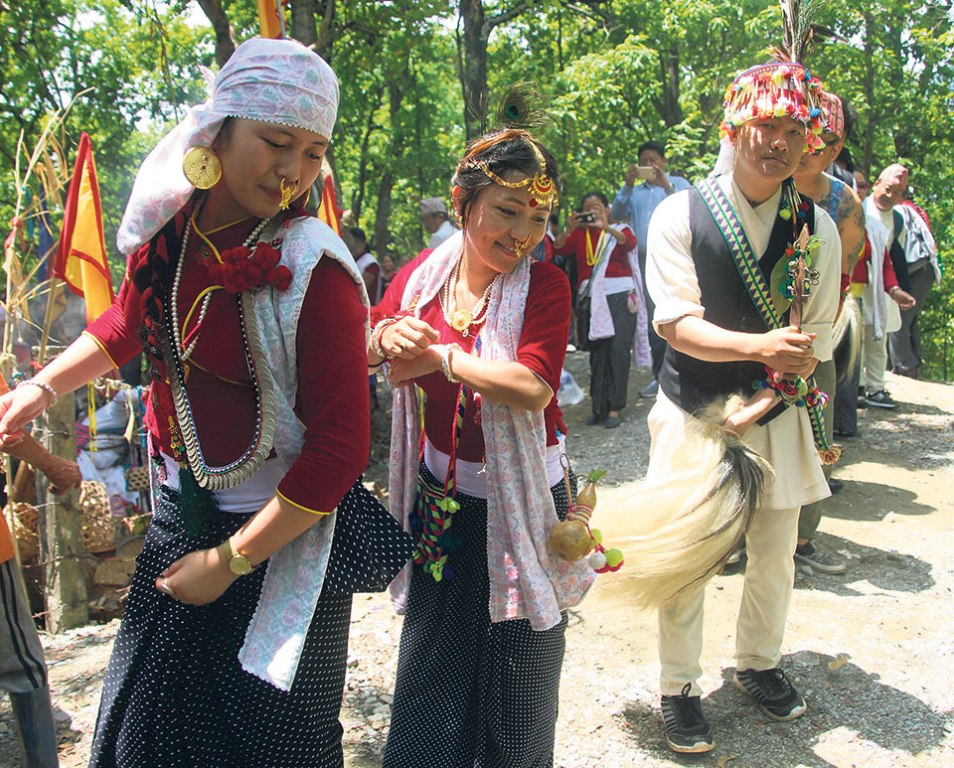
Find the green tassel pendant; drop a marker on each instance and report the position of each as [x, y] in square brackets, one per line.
[196, 504]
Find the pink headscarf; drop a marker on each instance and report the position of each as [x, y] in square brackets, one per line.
[276, 81]
[894, 174]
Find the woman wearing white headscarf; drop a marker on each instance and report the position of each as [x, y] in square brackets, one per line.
[254, 318]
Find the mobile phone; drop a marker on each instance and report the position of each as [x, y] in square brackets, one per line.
[645, 172]
[587, 218]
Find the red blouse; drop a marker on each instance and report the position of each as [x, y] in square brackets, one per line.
[333, 395]
[618, 265]
[542, 348]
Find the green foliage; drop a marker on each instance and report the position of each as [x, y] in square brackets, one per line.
[613, 74]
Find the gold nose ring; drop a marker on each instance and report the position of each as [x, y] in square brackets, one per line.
[287, 192]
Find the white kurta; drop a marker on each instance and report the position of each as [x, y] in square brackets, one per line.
[786, 441]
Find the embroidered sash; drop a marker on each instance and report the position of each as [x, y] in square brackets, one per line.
[747, 264]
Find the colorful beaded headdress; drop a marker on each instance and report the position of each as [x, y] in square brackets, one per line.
[778, 89]
[783, 87]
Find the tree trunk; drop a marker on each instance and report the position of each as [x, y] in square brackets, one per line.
[473, 67]
[60, 528]
[382, 217]
[472, 58]
[303, 26]
[224, 37]
[357, 199]
[867, 151]
[668, 107]
[382, 220]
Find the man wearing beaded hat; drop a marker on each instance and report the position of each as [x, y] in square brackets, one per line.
[719, 256]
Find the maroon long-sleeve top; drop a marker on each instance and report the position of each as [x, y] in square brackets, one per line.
[542, 349]
[332, 397]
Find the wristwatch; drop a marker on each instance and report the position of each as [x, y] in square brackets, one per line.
[239, 564]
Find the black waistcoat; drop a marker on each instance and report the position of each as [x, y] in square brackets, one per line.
[692, 383]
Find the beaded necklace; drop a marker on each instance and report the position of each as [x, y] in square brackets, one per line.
[184, 353]
[460, 319]
[191, 456]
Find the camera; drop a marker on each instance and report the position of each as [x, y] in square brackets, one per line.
[587, 218]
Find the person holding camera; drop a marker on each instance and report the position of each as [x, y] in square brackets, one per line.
[635, 204]
[606, 301]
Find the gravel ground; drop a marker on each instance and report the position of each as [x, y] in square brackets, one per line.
[871, 650]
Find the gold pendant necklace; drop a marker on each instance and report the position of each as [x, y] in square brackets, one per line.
[462, 320]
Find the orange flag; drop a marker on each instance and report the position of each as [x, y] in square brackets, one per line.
[81, 256]
[271, 19]
[328, 212]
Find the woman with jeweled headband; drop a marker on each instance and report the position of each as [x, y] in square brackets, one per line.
[254, 318]
[481, 329]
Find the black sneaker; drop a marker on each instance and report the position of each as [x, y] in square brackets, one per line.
[686, 726]
[819, 559]
[773, 692]
[881, 400]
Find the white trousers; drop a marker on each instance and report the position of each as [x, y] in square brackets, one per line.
[766, 595]
[875, 360]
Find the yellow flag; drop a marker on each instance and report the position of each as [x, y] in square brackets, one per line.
[271, 20]
[81, 257]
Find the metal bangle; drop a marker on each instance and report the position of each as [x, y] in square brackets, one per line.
[45, 387]
[446, 352]
[377, 332]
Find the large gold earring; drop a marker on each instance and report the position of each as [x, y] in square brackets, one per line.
[202, 167]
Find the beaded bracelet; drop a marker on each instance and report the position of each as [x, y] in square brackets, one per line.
[45, 387]
[377, 333]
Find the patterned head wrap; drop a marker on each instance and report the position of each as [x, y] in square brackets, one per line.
[834, 112]
[277, 81]
[894, 174]
[778, 89]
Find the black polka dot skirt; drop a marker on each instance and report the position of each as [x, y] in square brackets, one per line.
[471, 693]
[175, 695]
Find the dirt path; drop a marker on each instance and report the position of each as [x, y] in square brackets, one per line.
[871, 650]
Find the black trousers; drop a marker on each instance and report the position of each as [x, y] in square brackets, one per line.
[611, 359]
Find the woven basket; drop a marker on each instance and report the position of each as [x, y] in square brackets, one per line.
[25, 530]
[99, 530]
[137, 478]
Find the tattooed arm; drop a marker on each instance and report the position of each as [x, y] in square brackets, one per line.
[851, 229]
[850, 219]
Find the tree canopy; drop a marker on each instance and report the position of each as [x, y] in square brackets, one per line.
[418, 78]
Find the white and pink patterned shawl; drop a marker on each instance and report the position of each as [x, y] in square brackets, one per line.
[526, 579]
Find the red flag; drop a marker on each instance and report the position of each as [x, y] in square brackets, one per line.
[81, 256]
[328, 212]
